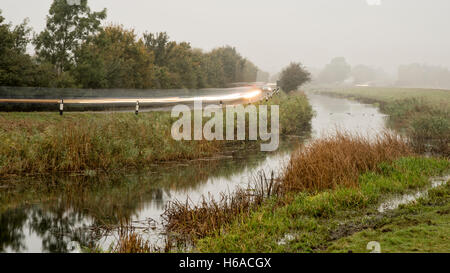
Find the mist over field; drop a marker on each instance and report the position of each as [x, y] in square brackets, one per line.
[379, 33]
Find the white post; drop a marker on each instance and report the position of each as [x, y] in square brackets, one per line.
[61, 107]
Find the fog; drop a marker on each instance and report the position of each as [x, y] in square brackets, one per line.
[379, 33]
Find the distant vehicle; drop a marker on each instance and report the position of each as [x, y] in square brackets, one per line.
[267, 88]
[367, 84]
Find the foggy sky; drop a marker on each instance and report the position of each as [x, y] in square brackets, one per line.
[274, 33]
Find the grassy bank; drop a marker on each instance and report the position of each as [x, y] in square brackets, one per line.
[422, 226]
[422, 114]
[332, 163]
[32, 143]
[326, 221]
[327, 199]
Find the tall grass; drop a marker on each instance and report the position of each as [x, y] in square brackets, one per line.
[191, 221]
[130, 241]
[34, 143]
[295, 113]
[89, 142]
[427, 124]
[329, 163]
[338, 160]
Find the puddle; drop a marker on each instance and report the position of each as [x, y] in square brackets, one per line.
[286, 239]
[409, 198]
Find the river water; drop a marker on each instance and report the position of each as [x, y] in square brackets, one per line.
[49, 214]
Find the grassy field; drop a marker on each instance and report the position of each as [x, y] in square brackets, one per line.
[385, 94]
[422, 114]
[37, 143]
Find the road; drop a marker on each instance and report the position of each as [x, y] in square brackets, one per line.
[153, 99]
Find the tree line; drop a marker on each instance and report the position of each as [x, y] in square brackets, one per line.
[75, 50]
[338, 71]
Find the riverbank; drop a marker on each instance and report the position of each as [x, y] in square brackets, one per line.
[331, 189]
[421, 114]
[42, 143]
[328, 199]
[338, 220]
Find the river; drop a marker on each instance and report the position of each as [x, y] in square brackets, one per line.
[48, 214]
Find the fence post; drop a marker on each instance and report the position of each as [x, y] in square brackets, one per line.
[137, 108]
[61, 107]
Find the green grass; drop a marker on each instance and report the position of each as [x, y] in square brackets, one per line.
[39, 143]
[420, 227]
[422, 114]
[315, 221]
[388, 94]
[295, 113]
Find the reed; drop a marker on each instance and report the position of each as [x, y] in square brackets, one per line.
[42, 143]
[190, 221]
[325, 164]
[130, 241]
[338, 160]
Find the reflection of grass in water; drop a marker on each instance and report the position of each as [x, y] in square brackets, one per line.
[107, 200]
[110, 198]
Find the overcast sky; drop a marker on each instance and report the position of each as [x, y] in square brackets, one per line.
[382, 33]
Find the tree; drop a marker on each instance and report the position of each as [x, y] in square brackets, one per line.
[421, 75]
[215, 73]
[363, 74]
[293, 76]
[338, 70]
[251, 73]
[262, 76]
[17, 68]
[114, 59]
[174, 61]
[74, 50]
[199, 62]
[68, 26]
[160, 45]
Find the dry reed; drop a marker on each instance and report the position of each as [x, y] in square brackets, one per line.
[338, 160]
[130, 241]
[328, 163]
[192, 221]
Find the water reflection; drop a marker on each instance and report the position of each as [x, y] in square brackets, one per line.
[343, 114]
[45, 214]
[38, 229]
